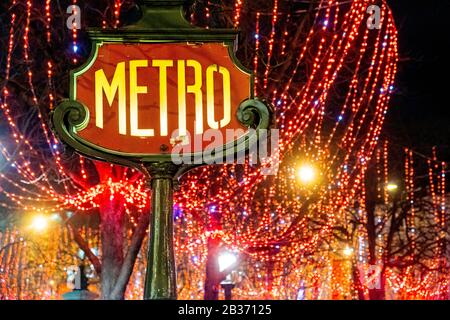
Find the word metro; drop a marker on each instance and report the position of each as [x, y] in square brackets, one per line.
[118, 86]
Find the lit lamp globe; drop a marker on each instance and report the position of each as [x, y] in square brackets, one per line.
[226, 259]
[306, 174]
[391, 187]
[348, 251]
[39, 223]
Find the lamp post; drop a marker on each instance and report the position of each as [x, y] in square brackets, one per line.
[227, 286]
[80, 291]
[226, 260]
[160, 281]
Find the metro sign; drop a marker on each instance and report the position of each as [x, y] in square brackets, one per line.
[158, 86]
[134, 101]
[143, 98]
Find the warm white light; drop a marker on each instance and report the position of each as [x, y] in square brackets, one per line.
[39, 223]
[306, 173]
[226, 259]
[391, 187]
[348, 251]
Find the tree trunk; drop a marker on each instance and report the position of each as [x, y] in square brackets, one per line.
[112, 222]
[269, 280]
[378, 291]
[357, 282]
[212, 281]
[130, 258]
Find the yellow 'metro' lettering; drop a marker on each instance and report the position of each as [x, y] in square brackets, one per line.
[134, 91]
[163, 65]
[110, 90]
[213, 124]
[118, 87]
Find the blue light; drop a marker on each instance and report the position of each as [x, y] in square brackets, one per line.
[75, 48]
[279, 103]
[55, 146]
[256, 36]
[177, 212]
[340, 118]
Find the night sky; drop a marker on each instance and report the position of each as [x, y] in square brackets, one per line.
[420, 113]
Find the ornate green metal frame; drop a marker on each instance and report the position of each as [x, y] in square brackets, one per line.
[162, 22]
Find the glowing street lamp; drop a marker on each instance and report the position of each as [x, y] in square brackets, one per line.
[391, 187]
[348, 251]
[39, 223]
[226, 260]
[306, 173]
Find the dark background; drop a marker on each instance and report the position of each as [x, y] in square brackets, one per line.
[419, 116]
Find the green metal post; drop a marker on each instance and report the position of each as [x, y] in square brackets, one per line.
[160, 282]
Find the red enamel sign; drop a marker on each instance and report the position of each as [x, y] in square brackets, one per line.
[145, 98]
